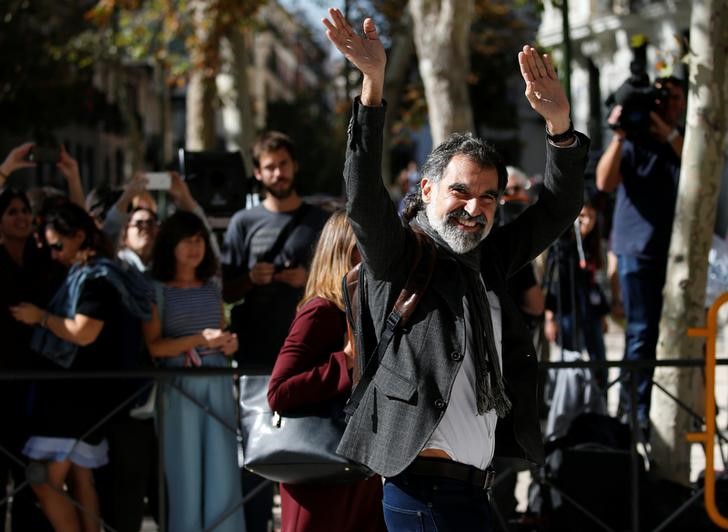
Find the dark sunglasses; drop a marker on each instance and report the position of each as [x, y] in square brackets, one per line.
[58, 246]
[141, 224]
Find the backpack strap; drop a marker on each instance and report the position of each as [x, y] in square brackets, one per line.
[408, 299]
[418, 279]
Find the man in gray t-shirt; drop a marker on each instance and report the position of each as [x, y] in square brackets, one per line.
[269, 284]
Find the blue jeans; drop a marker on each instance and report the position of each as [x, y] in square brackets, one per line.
[432, 504]
[641, 282]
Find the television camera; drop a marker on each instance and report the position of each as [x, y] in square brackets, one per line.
[638, 97]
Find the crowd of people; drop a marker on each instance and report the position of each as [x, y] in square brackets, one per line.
[93, 284]
[108, 288]
[89, 284]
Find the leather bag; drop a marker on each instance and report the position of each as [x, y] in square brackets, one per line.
[293, 448]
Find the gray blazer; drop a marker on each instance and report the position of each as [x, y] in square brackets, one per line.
[411, 389]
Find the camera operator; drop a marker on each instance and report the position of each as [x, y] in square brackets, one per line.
[642, 163]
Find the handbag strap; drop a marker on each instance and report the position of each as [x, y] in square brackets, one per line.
[285, 232]
[415, 286]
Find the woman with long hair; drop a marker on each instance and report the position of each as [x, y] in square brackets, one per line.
[312, 368]
[27, 273]
[84, 327]
[187, 330]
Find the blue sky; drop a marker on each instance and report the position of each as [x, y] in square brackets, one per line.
[314, 9]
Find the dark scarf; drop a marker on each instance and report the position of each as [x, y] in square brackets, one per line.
[490, 393]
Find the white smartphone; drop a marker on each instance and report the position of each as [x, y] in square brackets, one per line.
[158, 180]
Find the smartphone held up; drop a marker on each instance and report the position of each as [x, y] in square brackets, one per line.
[158, 180]
[44, 154]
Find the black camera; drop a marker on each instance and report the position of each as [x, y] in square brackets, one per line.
[44, 154]
[638, 97]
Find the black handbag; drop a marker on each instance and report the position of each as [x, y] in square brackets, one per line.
[294, 448]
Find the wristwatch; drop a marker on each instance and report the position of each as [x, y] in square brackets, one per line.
[673, 135]
[561, 137]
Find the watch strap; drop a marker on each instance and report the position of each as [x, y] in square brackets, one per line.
[561, 137]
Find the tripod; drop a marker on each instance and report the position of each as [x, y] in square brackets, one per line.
[576, 299]
[560, 268]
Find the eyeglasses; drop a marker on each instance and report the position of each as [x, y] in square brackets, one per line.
[57, 246]
[142, 224]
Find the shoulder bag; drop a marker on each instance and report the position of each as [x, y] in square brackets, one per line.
[296, 448]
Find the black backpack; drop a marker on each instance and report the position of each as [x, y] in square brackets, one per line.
[369, 352]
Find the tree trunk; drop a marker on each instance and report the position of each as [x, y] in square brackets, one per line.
[702, 165]
[441, 30]
[201, 89]
[398, 65]
[166, 137]
[127, 109]
[201, 96]
[233, 87]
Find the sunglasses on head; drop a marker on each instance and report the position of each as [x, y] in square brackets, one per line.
[58, 246]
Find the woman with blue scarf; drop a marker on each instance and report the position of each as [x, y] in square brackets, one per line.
[86, 327]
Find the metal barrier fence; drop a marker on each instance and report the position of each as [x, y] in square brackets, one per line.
[163, 376]
[710, 333]
[631, 369]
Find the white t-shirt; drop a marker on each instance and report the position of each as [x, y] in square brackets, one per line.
[464, 435]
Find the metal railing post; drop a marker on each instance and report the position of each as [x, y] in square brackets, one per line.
[707, 438]
[636, 437]
[161, 478]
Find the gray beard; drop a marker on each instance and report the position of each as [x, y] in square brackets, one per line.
[459, 241]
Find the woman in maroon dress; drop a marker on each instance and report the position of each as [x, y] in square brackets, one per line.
[313, 367]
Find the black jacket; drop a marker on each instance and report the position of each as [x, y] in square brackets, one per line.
[411, 389]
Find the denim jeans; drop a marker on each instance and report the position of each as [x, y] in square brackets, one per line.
[641, 282]
[432, 504]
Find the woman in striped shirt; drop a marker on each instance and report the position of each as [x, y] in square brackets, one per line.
[187, 330]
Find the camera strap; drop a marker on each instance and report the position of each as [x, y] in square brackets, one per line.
[286, 230]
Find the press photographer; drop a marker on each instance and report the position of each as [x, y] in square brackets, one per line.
[642, 163]
[637, 99]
